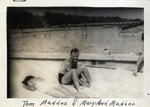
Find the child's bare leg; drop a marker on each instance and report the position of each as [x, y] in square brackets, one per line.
[76, 81]
[85, 72]
[142, 70]
[135, 72]
[139, 62]
[69, 76]
[84, 83]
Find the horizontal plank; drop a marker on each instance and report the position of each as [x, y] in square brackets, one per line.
[83, 56]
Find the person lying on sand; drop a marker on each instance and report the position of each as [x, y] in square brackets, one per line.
[37, 83]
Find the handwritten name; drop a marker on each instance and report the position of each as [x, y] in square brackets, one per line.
[55, 102]
[111, 103]
[27, 103]
[80, 102]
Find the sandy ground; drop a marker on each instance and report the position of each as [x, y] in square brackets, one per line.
[106, 83]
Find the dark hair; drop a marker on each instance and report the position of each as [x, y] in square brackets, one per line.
[27, 79]
[105, 49]
[142, 37]
[74, 50]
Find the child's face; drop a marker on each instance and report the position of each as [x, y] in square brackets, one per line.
[31, 86]
[74, 56]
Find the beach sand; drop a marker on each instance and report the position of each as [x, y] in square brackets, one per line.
[106, 83]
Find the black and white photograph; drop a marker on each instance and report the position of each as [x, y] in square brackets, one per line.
[75, 52]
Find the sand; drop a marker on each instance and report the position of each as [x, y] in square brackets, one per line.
[106, 83]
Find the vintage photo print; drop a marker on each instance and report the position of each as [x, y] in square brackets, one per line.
[82, 52]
